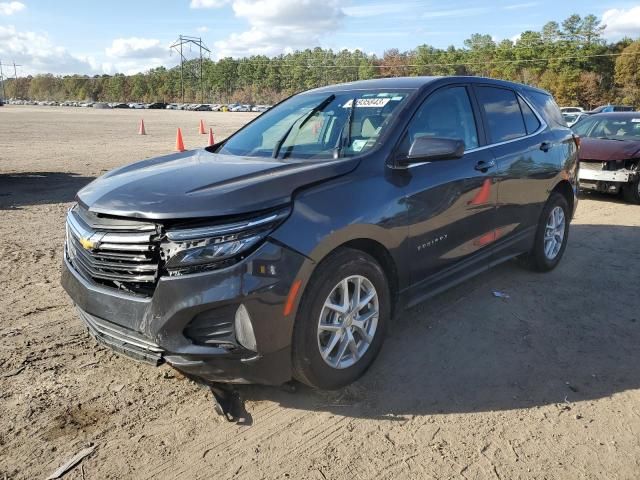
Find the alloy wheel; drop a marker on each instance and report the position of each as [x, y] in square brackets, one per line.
[554, 232]
[348, 322]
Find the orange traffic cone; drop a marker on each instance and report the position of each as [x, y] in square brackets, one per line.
[202, 130]
[179, 142]
[141, 130]
[211, 139]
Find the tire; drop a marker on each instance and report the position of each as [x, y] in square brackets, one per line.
[327, 284]
[539, 258]
[631, 191]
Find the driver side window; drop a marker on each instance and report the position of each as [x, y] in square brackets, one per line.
[446, 113]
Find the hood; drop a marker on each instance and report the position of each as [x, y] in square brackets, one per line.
[198, 183]
[608, 150]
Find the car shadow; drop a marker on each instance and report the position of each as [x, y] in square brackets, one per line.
[566, 336]
[21, 189]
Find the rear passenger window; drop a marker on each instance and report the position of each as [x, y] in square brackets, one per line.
[530, 120]
[502, 112]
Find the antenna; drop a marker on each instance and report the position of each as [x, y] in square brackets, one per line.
[178, 47]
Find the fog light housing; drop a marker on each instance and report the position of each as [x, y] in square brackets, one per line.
[244, 329]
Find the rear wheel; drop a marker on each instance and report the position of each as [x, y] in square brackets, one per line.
[551, 236]
[342, 320]
[631, 190]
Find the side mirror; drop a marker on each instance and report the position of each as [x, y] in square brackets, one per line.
[428, 149]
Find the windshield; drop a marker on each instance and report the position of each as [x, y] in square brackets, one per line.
[319, 126]
[609, 128]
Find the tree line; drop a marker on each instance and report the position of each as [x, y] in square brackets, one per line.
[570, 59]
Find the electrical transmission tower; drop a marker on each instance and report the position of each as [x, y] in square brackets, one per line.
[178, 46]
[2, 79]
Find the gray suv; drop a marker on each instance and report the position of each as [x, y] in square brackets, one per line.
[284, 251]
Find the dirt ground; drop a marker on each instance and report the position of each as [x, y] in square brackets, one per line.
[542, 385]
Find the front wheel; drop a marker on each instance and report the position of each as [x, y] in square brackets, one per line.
[342, 320]
[552, 235]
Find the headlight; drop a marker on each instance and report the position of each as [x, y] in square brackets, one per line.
[194, 249]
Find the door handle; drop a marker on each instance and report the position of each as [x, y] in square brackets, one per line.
[545, 146]
[484, 166]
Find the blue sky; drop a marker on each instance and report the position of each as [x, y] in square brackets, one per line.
[81, 36]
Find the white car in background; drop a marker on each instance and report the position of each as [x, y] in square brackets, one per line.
[572, 118]
[571, 110]
[241, 108]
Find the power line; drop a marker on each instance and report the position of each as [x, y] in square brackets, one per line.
[367, 63]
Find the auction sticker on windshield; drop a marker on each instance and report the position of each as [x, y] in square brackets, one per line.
[368, 103]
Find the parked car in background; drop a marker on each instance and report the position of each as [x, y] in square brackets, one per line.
[287, 266]
[241, 108]
[573, 118]
[119, 105]
[101, 105]
[157, 106]
[612, 108]
[610, 154]
[564, 110]
[203, 107]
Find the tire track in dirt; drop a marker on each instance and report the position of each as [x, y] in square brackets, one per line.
[196, 447]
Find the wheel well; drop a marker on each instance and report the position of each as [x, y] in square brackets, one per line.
[564, 188]
[383, 257]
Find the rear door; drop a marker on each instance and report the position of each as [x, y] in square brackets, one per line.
[526, 162]
[451, 203]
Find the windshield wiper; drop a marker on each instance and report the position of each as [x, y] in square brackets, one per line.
[342, 141]
[304, 118]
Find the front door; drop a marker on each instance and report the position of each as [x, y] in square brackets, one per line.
[451, 203]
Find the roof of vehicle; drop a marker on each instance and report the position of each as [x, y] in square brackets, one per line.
[413, 83]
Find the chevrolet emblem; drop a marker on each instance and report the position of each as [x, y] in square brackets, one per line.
[86, 243]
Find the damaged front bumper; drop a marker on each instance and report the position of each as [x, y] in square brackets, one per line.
[188, 322]
[619, 176]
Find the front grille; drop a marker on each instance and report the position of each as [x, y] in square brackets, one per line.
[122, 255]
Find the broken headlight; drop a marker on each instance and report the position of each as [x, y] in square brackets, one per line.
[190, 250]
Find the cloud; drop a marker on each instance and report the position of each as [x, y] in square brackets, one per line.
[519, 6]
[278, 26]
[37, 54]
[132, 55]
[9, 8]
[376, 9]
[135, 47]
[621, 22]
[456, 12]
[208, 3]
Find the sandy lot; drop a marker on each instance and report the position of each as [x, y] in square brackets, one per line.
[543, 385]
